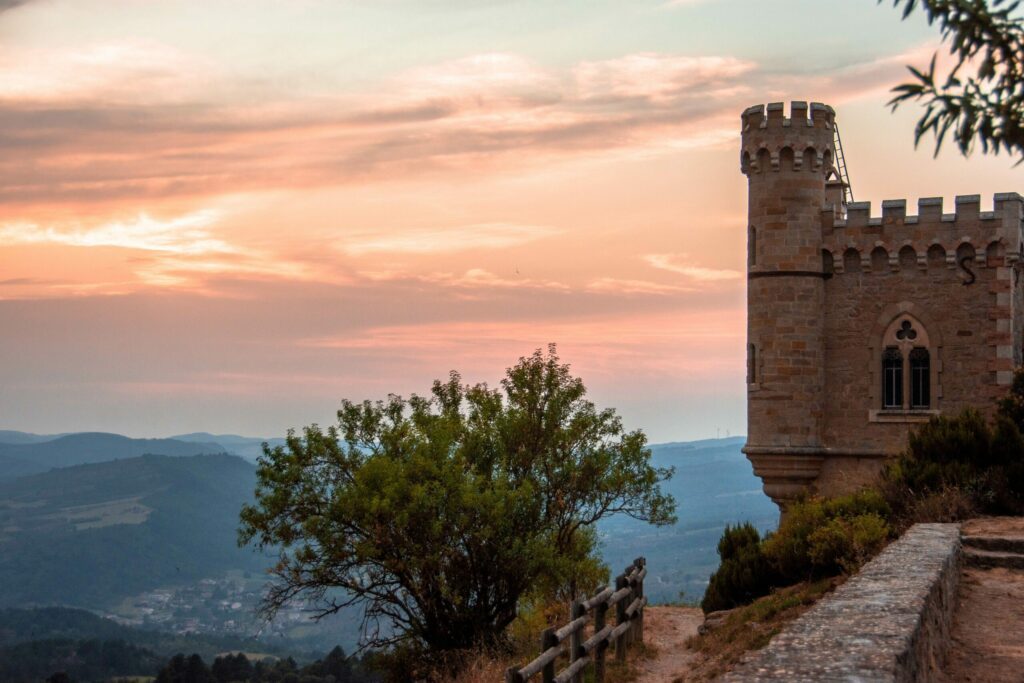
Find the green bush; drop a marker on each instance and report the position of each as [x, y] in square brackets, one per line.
[744, 573]
[964, 454]
[824, 537]
[842, 545]
[816, 538]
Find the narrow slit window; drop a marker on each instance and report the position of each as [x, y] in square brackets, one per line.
[752, 247]
[752, 365]
[920, 378]
[892, 378]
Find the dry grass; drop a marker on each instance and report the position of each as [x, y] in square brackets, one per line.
[751, 627]
[483, 667]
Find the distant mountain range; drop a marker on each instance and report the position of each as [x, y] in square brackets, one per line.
[23, 453]
[20, 459]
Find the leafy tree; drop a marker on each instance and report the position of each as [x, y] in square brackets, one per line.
[437, 514]
[182, 669]
[744, 573]
[230, 667]
[981, 97]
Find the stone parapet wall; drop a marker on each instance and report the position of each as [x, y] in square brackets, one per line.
[890, 622]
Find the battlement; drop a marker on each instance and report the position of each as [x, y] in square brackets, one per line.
[802, 141]
[1005, 205]
[895, 240]
[772, 115]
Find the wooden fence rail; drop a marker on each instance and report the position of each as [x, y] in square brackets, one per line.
[627, 597]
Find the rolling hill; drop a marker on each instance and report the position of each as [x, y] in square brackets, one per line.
[35, 456]
[11, 436]
[90, 535]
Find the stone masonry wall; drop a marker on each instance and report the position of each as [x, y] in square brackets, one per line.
[889, 623]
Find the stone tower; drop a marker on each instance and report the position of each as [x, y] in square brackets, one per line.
[859, 327]
[786, 161]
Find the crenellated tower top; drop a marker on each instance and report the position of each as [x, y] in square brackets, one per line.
[770, 137]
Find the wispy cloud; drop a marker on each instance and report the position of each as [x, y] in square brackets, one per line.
[610, 285]
[71, 132]
[126, 71]
[673, 4]
[130, 120]
[657, 77]
[682, 264]
[447, 240]
[188, 234]
[11, 4]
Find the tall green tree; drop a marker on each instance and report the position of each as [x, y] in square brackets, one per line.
[437, 514]
[980, 97]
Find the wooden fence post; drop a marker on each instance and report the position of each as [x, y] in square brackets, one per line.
[576, 639]
[570, 640]
[639, 593]
[620, 618]
[548, 640]
[631, 631]
[600, 613]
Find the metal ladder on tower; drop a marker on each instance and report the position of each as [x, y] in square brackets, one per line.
[844, 175]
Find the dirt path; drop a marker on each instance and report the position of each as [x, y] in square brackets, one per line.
[666, 630]
[988, 626]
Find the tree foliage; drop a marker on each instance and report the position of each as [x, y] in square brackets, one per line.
[437, 514]
[744, 573]
[980, 98]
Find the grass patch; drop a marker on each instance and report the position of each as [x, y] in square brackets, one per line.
[751, 627]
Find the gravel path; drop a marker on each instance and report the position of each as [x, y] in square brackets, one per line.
[667, 629]
[988, 626]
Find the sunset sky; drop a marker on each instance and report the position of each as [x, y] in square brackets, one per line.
[226, 216]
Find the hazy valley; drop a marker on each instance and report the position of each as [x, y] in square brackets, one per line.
[143, 532]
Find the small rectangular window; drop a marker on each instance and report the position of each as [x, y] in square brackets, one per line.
[920, 378]
[892, 378]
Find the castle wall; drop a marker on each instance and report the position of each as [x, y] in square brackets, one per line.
[828, 286]
[953, 274]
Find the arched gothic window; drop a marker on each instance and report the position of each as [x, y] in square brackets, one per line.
[906, 366]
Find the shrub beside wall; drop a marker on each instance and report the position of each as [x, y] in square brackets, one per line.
[817, 538]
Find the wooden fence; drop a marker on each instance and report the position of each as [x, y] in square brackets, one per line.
[628, 600]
